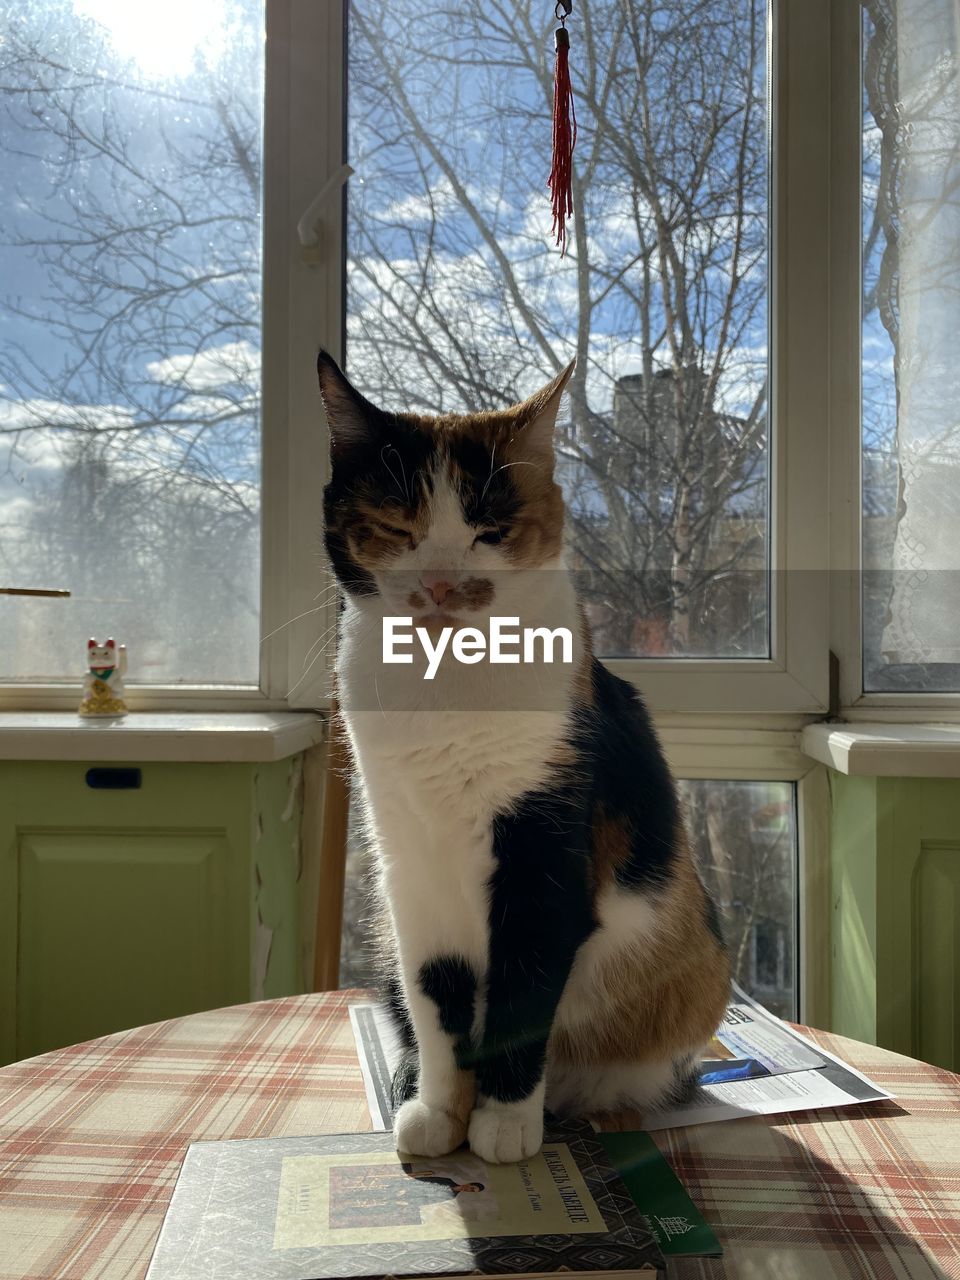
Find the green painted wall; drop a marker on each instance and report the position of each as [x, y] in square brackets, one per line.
[119, 908]
[895, 878]
[854, 898]
[277, 876]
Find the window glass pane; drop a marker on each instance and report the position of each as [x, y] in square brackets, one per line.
[130, 335]
[458, 300]
[745, 841]
[744, 838]
[911, 318]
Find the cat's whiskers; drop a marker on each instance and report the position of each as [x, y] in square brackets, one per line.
[326, 597]
[295, 688]
[319, 640]
[290, 621]
[503, 467]
[404, 488]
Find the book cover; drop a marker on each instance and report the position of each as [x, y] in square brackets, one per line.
[350, 1208]
[678, 1226]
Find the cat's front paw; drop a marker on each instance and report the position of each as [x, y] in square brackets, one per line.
[503, 1132]
[421, 1130]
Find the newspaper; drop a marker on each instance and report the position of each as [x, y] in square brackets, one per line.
[759, 1066]
[755, 1065]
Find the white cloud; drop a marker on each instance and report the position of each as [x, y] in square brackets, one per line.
[421, 207]
[206, 370]
[33, 414]
[440, 202]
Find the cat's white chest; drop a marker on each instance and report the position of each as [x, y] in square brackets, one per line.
[470, 732]
[450, 766]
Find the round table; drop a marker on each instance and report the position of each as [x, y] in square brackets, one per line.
[91, 1139]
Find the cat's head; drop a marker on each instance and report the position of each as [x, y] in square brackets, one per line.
[435, 516]
[100, 656]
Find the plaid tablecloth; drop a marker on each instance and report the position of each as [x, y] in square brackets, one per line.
[91, 1138]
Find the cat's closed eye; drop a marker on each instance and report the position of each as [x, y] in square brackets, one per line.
[491, 537]
[393, 530]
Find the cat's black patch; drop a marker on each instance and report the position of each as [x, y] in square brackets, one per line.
[452, 986]
[376, 457]
[486, 491]
[354, 579]
[540, 912]
[631, 779]
[686, 1082]
[403, 1086]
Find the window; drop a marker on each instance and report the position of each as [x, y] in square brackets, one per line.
[911, 380]
[745, 839]
[183, 430]
[457, 298]
[130, 339]
[162, 314]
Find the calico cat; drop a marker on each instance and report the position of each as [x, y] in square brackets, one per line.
[550, 942]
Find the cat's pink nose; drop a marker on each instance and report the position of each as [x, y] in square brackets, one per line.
[437, 587]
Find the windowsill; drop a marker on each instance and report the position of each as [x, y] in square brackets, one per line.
[221, 737]
[886, 750]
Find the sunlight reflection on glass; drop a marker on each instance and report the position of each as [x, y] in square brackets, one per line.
[163, 45]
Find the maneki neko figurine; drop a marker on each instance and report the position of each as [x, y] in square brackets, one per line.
[103, 682]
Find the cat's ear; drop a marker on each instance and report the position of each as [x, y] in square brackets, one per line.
[353, 421]
[536, 418]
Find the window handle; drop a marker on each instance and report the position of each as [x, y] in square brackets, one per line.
[311, 220]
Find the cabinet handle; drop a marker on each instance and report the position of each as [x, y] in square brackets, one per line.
[114, 779]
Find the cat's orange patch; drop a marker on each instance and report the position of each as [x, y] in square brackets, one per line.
[658, 1000]
[612, 838]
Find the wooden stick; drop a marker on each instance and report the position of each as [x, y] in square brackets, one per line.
[33, 591]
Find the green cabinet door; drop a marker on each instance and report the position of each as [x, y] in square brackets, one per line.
[116, 923]
[119, 908]
[896, 914]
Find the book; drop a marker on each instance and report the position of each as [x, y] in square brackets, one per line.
[677, 1225]
[349, 1207]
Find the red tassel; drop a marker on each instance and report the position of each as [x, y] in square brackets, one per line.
[564, 140]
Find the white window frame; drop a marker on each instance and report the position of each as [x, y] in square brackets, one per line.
[795, 679]
[303, 308]
[718, 719]
[815, 119]
[796, 676]
[767, 748]
[846, 617]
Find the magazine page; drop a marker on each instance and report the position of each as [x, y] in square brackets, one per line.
[378, 1050]
[756, 1065]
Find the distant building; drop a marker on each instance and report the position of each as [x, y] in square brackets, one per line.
[670, 511]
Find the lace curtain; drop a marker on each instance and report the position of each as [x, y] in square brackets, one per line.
[913, 92]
